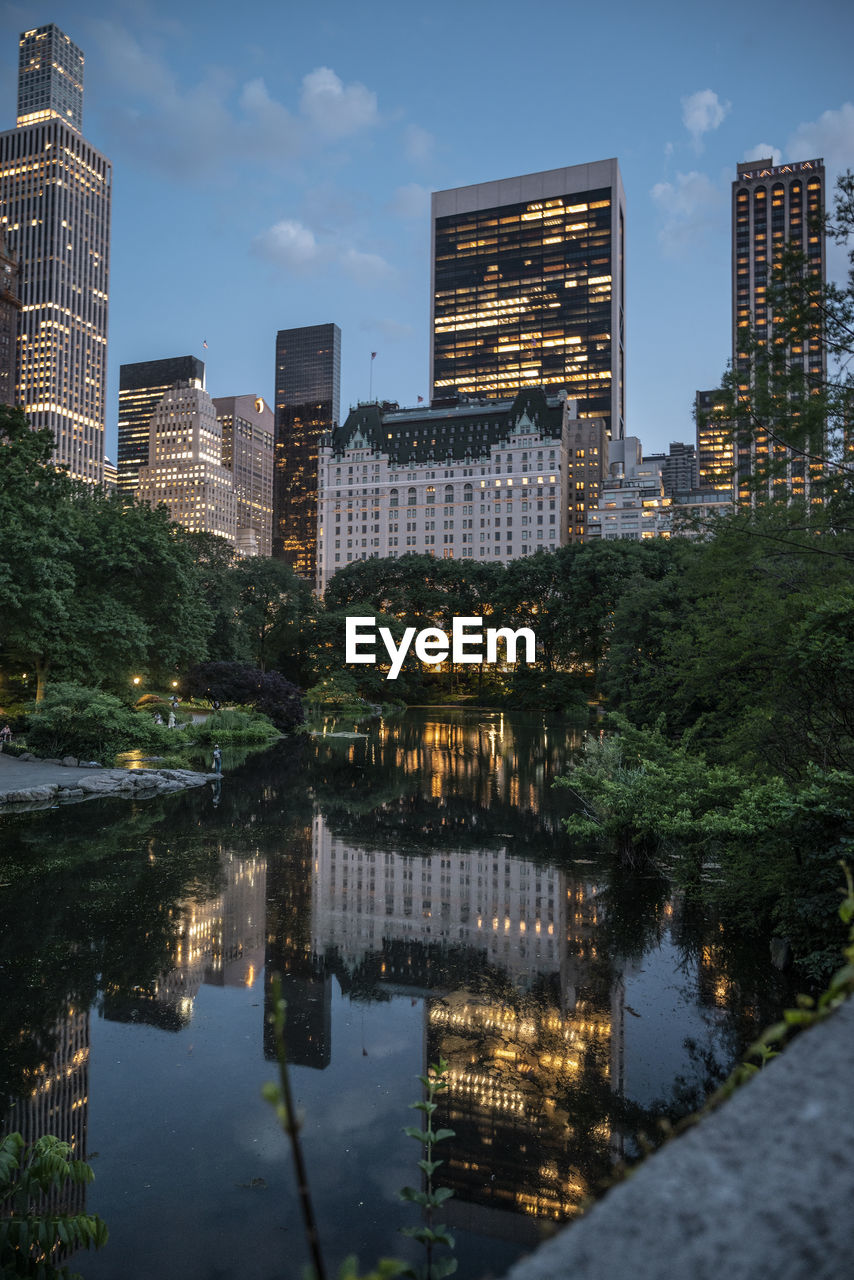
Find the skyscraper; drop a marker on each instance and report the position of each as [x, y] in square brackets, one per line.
[141, 388]
[308, 394]
[10, 311]
[55, 192]
[527, 288]
[714, 443]
[184, 470]
[247, 452]
[772, 206]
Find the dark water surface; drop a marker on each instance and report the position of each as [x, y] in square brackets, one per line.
[415, 891]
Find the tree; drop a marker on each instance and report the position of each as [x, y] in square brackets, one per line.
[36, 585]
[271, 602]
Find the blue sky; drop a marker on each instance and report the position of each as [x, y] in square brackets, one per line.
[272, 163]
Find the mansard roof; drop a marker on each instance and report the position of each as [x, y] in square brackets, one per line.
[444, 432]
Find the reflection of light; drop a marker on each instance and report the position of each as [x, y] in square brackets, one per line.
[250, 977]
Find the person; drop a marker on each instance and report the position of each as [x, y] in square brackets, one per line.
[5, 734]
[172, 721]
[174, 701]
[217, 759]
[217, 704]
[158, 719]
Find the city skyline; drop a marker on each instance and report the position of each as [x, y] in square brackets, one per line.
[316, 175]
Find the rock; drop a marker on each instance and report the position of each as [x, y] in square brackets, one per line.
[27, 755]
[70, 762]
[51, 760]
[30, 795]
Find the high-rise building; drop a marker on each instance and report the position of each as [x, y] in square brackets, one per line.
[141, 388]
[184, 470]
[678, 467]
[485, 480]
[55, 193]
[308, 395]
[715, 450]
[247, 452]
[773, 206]
[527, 288]
[10, 311]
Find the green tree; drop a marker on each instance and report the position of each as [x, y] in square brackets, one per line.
[272, 600]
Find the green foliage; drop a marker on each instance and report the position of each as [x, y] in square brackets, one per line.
[641, 795]
[87, 723]
[230, 725]
[431, 1234]
[338, 691]
[32, 1236]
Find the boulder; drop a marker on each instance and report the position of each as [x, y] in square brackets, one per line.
[70, 762]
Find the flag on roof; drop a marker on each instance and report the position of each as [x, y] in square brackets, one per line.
[205, 344]
[420, 399]
[373, 355]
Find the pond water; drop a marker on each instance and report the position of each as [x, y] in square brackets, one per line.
[413, 887]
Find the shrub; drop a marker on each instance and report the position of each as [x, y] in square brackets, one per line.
[87, 723]
[235, 726]
[266, 691]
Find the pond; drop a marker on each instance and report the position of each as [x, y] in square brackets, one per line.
[411, 882]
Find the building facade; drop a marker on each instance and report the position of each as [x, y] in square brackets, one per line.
[773, 206]
[247, 451]
[485, 480]
[185, 471]
[715, 448]
[527, 288]
[55, 195]
[10, 312]
[141, 388]
[308, 397]
[587, 470]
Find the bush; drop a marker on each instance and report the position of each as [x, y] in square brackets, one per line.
[266, 691]
[235, 726]
[86, 723]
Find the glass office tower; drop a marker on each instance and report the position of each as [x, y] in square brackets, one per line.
[308, 396]
[528, 289]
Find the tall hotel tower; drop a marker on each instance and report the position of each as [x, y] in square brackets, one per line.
[773, 205]
[527, 289]
[308, 396]
[55, 209]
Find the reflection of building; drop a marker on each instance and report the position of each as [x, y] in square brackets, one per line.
[185, 469]
[484, 899]
[247, 452]
[141, 388]
[55, 192]
[306, 986]
[308, 395]
[533, 1040]
[218, 941]
[481, 480]
[527, 288]
[58, 1102]
[774, 206]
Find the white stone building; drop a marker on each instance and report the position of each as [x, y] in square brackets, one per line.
[471, 480]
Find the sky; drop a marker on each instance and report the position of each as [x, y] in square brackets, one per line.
[273, 163]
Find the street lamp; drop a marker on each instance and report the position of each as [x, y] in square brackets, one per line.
[137, 679]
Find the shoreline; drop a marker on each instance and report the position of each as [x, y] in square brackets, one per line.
[38, 784]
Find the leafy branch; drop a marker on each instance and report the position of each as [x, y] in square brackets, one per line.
[430, 1234]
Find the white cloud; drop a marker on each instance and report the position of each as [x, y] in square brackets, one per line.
[702, 112]
[690, 208]
[418, 144]
[296, 247]
[289, 244]
[365, 268]
[762, 151]
[411, 201]
[269, 120]
[831, 136]
[337, 111]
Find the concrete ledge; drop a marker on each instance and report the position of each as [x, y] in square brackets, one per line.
[762, 1187]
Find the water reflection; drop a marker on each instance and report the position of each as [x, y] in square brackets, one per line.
[415, 891]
